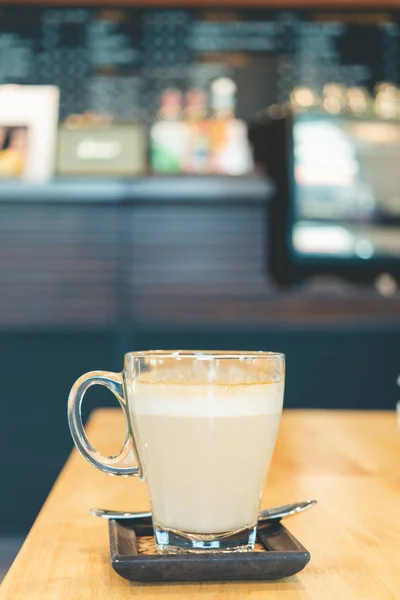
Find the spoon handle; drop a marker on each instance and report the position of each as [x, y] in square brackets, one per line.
[270, 514]
[117, 514]
[287, 510]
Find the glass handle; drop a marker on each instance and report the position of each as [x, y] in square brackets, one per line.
[122, 463]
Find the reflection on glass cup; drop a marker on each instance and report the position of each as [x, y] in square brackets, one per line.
[203, 427]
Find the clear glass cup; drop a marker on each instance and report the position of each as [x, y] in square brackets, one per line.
[202, 426]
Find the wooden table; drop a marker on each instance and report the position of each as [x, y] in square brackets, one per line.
[349, 461]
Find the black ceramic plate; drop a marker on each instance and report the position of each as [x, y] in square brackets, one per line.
[134, 556]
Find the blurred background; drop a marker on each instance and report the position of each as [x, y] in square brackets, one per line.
[209, 176]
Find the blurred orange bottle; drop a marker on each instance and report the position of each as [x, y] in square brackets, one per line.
[198, 151]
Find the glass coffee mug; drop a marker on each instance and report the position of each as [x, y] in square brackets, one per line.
[202, 426]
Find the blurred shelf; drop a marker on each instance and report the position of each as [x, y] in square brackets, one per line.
[251, 189]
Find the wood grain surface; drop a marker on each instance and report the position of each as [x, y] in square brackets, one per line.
[349, 461]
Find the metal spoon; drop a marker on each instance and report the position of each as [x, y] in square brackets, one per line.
[270, 514]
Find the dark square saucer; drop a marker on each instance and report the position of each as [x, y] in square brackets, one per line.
[277, 554]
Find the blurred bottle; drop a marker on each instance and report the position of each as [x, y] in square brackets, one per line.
[230, 152]
[198, 151]
[223, 98]
[195, 105]
[168, 136]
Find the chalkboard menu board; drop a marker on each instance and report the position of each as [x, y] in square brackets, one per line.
[120, 60]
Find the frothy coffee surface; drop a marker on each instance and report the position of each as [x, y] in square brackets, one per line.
[205, 449]
[205, 400]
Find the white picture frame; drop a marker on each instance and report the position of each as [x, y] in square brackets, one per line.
[34, 107]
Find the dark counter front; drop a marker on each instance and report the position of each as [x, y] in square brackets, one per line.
[167, 250]
[83, 253]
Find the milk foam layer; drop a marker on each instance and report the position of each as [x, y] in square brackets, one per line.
[205, 400]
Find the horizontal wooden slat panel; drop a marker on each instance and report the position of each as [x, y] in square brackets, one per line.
[197, 244]
[80, 264]
[58, 265]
